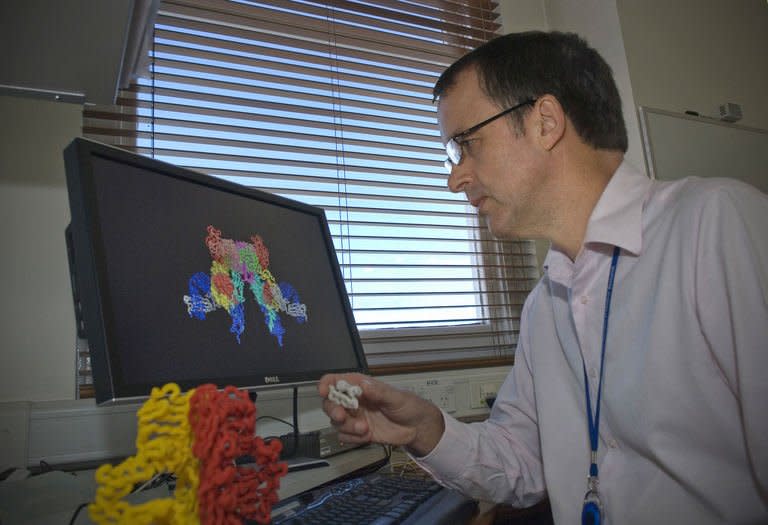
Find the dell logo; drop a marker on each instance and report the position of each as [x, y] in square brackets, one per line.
[271, 379]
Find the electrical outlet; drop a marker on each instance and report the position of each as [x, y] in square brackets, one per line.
[488, 390]
[444, 396]
[482, 390]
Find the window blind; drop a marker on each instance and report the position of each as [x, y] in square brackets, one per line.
[329, 103]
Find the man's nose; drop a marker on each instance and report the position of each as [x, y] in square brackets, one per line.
[459, 177]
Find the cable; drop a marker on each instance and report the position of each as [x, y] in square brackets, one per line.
[283, 421]
[295, 416]
[287, 453]
[295, 447]
[77, 511]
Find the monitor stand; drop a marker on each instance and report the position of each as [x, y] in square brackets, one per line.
[296, 464]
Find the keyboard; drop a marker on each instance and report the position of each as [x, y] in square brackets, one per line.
[377, 499]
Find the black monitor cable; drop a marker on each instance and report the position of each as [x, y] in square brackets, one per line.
[287, 453]
[295, 444]
[77, 511]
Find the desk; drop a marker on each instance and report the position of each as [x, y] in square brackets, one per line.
[297, 482]
[53, 497]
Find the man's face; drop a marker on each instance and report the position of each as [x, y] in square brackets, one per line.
[499, 171]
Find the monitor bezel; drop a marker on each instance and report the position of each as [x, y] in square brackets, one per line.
[89, 271]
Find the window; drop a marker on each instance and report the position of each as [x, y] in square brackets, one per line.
[329, 102]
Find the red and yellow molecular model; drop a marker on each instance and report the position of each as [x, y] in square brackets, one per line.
[197, 436]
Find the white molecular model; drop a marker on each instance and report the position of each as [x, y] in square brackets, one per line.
[345, 394]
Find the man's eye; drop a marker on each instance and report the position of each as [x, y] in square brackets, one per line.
[468, 145]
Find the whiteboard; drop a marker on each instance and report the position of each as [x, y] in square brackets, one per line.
[677, 145]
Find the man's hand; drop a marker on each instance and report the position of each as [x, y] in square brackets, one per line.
[385, 415]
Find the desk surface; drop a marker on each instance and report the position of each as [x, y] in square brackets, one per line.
[53, 497]
[303, 480]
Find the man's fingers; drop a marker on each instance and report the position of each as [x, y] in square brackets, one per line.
[353, 431]
[334, 411]
[348, 425]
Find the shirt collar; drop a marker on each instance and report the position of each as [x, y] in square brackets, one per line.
[616, 219]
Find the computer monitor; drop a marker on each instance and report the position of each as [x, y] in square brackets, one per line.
[183, 277]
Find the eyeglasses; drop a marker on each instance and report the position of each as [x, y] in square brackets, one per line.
[453, 146]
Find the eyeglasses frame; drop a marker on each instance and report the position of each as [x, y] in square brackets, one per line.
[453, 148]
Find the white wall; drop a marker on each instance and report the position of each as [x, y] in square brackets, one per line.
[522, 15]
[697, 54]
[680, 55]
[598, 22]
[37, 330]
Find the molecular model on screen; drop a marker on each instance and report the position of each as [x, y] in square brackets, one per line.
[197, 437]
[235, 265]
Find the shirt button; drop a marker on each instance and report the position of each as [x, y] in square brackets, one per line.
[584, 299]
[593, 373]
[612, 443]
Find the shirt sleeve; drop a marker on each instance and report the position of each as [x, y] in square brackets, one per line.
[499, 459]
[731, 280]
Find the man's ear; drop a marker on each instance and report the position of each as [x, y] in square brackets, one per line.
[551, 121]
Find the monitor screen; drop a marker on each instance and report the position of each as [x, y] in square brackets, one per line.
[186, 278]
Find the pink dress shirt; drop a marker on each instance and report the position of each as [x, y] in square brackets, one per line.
[684, 423]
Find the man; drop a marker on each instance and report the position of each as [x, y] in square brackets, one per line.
[640, 383]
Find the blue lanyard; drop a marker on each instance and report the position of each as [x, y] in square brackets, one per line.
[594, 422]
